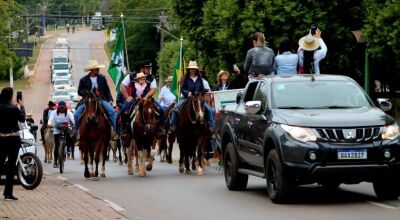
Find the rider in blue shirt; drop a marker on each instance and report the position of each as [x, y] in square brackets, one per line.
[192, 83]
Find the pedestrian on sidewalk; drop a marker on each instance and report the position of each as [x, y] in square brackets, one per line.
[223, 80]
[10, 142]
[312, 49]
[286, 62]
[260, 58]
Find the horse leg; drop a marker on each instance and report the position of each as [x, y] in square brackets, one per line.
[142, 171]
[119, 152]
[137, 166]
[200, 160]
[85, 157]
[129, 158]
[91, 156]
[149, 165]
[82, 157]
[181, 158]
[103, 163]
[171, 139]
[97, 161]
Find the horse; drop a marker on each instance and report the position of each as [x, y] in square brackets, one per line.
[192, 125]
[164, 149]
[94, 133]
[49, 145]
[143, 132]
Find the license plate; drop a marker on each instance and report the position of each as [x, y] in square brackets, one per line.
[352, 154]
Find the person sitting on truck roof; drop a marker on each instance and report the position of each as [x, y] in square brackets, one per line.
[191, 84]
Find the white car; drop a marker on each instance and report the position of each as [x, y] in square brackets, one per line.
[60, 95]
[73, 92]
[62, 84]
[61, 75]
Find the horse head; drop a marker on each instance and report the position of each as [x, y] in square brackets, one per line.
[91, 107]
[197, 109]
[149, 113]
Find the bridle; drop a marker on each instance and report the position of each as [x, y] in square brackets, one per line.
[198, 115]
[88, 102]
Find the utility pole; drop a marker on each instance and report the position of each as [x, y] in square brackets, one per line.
[27, 29]
[38, 24]
[162, 26]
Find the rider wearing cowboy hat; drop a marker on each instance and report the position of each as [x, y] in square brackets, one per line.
[96, 83]
[192, 83]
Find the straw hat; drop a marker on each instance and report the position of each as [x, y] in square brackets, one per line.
[169, 79]
[193, 65]
[309, 43]
[140, 75]
[222, 72]
[93, 64]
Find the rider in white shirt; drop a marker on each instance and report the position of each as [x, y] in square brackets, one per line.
[166, 98]
[58, 118]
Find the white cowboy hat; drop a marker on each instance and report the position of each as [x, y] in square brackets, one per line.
[309, 43]
[140, 75]
[169, 79]
[192, 65]
[93, 64]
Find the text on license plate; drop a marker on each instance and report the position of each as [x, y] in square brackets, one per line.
[352, 154]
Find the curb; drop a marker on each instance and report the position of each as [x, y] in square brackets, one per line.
[37, 61]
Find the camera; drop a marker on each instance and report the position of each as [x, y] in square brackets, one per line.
[19, 96]
[313, 29]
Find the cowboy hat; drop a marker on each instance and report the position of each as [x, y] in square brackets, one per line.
[93, 64]
[222, 72]
[140, 75]
[192, 65]
[309, 43]
[169, 79]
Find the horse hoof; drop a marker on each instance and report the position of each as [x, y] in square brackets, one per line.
[115, 160]
[120, 163]
[181, 169]
[149, 167]
[87, 174]
[137, 169]
[102, 175]
[45, 161]
[142, 173]
[82, 162]
[130, 172]
[200, 172]
[92, 175]
[188, 171]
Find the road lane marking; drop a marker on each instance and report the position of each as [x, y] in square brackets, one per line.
[114, 206]
[81, 187]
[61, 178]
[381, 205]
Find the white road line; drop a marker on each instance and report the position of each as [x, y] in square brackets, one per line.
[114, 206]
[381, 205]
[61, 178]
[81, 187]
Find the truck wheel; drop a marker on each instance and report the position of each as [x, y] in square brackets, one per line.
[387, 189]
[233, 179]
[279, 185]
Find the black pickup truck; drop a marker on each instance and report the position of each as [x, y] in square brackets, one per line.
[305, 129]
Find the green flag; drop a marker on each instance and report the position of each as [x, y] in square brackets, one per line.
[177, 74]
[117, 62]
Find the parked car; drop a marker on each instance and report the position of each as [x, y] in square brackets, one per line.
[62, 84]
[73, 92]
[62, 75]
[304, 129]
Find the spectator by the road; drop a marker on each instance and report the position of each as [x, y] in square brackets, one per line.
[260, 58]
[46, 113]
[223, 80]
[10, 141]
[312, 49]
[286, 62]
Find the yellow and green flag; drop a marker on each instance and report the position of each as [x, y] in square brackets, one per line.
[178, 73]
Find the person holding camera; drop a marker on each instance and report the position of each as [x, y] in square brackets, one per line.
[10, 142]
[312, 49]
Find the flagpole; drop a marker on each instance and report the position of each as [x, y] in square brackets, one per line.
[182, 64]
[126, 48]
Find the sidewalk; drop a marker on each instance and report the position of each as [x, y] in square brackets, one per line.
[54, 199]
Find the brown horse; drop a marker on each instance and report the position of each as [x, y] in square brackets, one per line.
[192, 125]
[164, 149]
[94, 133]
[143, 127]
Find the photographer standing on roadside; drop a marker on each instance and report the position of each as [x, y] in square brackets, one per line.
[312, 49]
[10, 142]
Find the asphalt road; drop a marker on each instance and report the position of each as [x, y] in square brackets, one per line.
[166, 194]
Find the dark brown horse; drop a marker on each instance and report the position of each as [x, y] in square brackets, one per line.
[192, 125]
[94, 133]
[143, 127]
[164, 148]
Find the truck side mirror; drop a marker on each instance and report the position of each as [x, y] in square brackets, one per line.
[239, 97]
[384, 104]
[253, 107]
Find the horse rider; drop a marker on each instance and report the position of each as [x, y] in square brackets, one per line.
[96, 83]
[129, 90]
[191, 84]
[166, 98]
[57, 118]
[46, 113]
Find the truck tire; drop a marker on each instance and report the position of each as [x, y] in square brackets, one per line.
[387, 189]
[233, 179]
[279, 185]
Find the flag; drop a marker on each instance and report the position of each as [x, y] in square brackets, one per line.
[177, 73]
[117, 62]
